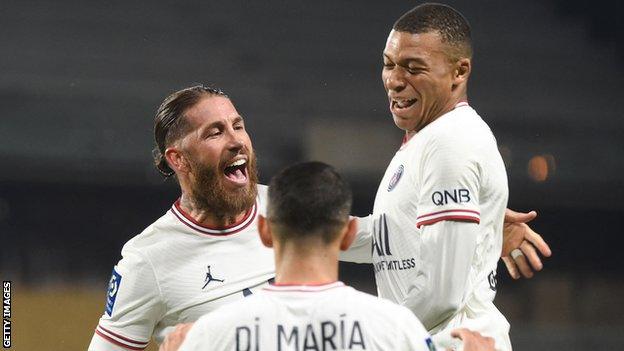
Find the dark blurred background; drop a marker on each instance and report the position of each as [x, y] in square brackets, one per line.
[80, 82]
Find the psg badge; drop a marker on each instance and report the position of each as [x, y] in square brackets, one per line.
[395, 178]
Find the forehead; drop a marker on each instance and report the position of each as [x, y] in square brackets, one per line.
[211, 109]
[405, 45]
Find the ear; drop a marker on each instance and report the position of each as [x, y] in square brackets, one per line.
[176, 160]
[349, 236]
[264, 231]
[462, 70]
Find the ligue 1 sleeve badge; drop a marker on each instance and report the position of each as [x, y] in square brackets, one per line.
[395, 178]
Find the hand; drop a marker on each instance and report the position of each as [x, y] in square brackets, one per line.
[175, 338]
[473, 341]
[518, 235]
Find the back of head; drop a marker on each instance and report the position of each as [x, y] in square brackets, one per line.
[308, 200]
[451, 25]
[170, 124]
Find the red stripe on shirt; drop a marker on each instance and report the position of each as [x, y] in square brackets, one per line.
[123, 337]
[447, 218]
[446, 211]
[113, 341]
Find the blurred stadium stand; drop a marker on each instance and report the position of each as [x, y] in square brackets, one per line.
[81, 80]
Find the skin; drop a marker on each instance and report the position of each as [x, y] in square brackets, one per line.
[417, 67]
[218, 137]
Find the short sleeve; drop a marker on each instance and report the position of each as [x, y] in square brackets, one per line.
[133, 305]
[450, 182]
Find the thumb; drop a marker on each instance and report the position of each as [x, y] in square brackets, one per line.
[512, 216]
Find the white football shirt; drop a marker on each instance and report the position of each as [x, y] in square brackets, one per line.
[302, 317]
[437, 223]
[177, 270]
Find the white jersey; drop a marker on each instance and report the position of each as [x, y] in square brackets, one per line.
[437, 223]
[298, 317]
[177, 270]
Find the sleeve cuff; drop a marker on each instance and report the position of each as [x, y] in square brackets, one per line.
[119, 340]
[448, 215]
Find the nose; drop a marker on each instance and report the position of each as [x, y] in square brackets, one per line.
[393, 80]
[235, 142]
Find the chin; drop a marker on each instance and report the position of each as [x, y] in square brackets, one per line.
[403, 124]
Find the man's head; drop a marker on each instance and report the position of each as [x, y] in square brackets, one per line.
[427, 62]
[309, 205]
[201, 138]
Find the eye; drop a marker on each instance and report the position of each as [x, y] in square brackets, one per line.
[239, 126]
[388, 65]
[414, 70]
[213, 133]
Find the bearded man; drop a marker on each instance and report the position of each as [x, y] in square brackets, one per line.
[204, 252]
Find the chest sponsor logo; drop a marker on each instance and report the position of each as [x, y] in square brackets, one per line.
[382, 250]
[396, 177]
[443, 197]
[113, 289]
[210, 278]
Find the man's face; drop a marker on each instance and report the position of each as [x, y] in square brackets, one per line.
[222, 163]
[418, 78]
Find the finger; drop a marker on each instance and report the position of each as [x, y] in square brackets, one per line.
[512, 216]
[529, 252]
[523, 266]
[460, 333]
[538, 242]
[490, 342]
[511, 267]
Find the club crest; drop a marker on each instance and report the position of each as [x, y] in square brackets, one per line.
[395, 178]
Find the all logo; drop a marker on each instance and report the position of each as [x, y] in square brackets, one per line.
[209, 278]
[395, 178]
[113, 289]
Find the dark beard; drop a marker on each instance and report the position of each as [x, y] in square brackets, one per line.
[209, 193]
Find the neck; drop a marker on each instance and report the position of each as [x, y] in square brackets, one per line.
[204, 216]
[463, 97]
[306, 263]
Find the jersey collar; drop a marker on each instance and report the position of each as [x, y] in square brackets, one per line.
[405, 141]
[304, 287]
[186, 219]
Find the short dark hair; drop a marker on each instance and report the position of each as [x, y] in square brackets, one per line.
[170, 124]
[308, 200]
[448, 22]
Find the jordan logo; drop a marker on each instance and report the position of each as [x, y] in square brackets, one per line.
[209, 278]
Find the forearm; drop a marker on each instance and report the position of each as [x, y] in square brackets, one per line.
[447, 252]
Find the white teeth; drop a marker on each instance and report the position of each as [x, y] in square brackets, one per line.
[404, 103]
[237, 163]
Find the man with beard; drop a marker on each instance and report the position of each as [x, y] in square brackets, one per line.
[205, 251]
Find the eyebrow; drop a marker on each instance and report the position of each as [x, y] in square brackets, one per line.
[220, 123]
[406, 61]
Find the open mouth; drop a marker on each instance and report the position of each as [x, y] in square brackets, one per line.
[236, 171]
[402, 104]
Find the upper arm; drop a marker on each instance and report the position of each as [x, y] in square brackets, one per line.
[450, 174]
[133, 305]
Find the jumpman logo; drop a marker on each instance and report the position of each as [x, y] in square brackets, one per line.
[209, 278]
